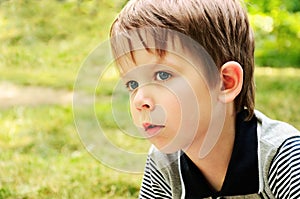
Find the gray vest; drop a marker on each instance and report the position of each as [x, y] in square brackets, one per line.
[271, 134]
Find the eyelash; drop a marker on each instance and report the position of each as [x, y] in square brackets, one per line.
[156, 77]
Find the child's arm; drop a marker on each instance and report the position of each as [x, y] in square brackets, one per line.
[284, 174]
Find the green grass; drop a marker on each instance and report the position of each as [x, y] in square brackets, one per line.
[278, 93]
[46, 43]
[42, 157]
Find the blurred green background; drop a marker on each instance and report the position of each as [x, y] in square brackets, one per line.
[42, 46]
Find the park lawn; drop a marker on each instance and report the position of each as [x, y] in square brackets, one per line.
[277, 93]
[42, 157]
[45, 43]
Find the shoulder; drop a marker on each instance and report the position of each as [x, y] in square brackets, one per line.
[160, 175]
[278, 140]
[284, 173]
[274, 132]
[154, 183]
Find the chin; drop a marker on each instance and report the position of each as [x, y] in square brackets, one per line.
[167, 149]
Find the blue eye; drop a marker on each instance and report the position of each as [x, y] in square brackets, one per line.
[131, 85]
[161, 75]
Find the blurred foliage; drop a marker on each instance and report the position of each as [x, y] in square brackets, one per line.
[45, 42]
[277, 32]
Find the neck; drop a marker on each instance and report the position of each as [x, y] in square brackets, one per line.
[215, 162]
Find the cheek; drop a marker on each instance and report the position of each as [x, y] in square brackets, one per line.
[134, 114]
[195, 105]
[172, 108]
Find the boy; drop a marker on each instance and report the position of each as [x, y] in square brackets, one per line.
[188, 66]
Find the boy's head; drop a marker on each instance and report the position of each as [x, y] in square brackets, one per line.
[220, 27]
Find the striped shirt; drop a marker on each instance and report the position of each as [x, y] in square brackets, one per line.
[154, 185]
[284, 173]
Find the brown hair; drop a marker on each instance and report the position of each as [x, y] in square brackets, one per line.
[221, 27]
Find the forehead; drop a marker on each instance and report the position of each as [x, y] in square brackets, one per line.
[145, 50]
[154, 45]
[153, 40]
[144, 60]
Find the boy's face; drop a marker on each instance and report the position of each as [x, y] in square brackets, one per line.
[170, 101]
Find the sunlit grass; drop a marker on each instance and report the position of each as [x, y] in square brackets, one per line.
[42, 157]
[46, 43]
[277, 93]
[277, 72]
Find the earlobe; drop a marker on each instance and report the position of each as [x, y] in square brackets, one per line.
[231, 75]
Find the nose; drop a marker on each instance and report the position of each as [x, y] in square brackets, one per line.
[142, 100]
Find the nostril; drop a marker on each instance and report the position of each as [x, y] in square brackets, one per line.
[145, 106]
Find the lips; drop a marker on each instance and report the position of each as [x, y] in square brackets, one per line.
[152, 129]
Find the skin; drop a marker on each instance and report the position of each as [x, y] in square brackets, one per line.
[196, 118]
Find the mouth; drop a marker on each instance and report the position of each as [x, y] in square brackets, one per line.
[152, 129]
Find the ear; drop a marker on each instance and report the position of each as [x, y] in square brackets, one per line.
[232, 81]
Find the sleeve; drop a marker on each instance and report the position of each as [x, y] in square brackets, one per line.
[284, 173]
[154, 184]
